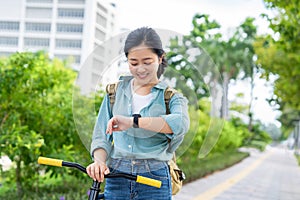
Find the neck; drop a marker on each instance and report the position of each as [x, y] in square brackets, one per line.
[143, 88]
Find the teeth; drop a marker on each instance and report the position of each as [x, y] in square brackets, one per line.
[142, 75]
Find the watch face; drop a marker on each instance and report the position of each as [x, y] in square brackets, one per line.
[136, 120]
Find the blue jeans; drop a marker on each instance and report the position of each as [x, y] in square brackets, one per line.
[124, 189]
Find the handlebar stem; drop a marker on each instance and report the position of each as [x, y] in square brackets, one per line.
[94, 190]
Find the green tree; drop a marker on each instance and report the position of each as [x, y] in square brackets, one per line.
[217, 58]
[36, 114]
[278, 54]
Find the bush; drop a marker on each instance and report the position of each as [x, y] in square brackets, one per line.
[260, 145]
[58, 188]
[199, 168]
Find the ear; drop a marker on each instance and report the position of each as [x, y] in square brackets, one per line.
[161, 58]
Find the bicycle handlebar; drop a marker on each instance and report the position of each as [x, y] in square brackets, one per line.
[50, 161]
[61, 163]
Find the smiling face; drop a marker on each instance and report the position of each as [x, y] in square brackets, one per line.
[143, 65]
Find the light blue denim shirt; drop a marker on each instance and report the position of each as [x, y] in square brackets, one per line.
[138, 143]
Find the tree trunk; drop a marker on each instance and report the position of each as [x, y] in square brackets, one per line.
[224, 107]
[216, 98]
[250, 114]
[18, 178]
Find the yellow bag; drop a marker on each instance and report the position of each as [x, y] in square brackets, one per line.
[177, 176]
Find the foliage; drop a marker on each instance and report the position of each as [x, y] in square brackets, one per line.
[36, 115]
[199, 168]
[278, 54]
[206, 54]
[85, 110]
[298, 158]
[258, 144]
[232, 136]
[66, 187]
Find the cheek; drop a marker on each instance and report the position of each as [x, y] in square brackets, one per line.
[131, 69]
[155, 68]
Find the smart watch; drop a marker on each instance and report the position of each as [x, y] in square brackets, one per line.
[136, 120]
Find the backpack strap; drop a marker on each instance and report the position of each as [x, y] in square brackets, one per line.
[111, 90]
[169, 92]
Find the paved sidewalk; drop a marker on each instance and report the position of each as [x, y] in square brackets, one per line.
[270, 175]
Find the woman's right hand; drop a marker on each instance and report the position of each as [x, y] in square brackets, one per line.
[97, 170]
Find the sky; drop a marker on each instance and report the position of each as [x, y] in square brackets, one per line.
[177, 15]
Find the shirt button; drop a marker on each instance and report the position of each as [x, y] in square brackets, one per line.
[129, 146]
[129, 105]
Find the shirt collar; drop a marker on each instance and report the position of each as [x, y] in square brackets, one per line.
[127, 86]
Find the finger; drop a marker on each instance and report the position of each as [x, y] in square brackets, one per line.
[102, 174]
[93, 172]
[97, 173]
[88, 171]
[106, 171]
[108, 128]
[110, 125]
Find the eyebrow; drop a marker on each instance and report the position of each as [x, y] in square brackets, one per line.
[144, 59]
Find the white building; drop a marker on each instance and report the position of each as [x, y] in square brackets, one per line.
[63, 28]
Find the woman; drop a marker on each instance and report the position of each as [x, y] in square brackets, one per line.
[144, 137]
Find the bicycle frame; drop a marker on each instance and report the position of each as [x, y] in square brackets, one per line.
[95, 188]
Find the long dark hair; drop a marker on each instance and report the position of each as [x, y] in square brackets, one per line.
[150, 38]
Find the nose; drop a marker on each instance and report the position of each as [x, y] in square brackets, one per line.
[141, 68]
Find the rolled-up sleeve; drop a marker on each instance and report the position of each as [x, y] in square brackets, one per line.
[178, 119]
[100, 139]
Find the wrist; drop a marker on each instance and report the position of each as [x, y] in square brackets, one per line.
[131, 121]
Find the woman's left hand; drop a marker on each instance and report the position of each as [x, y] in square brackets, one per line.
[119, 123]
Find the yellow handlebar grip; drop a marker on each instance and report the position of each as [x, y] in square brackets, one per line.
[50, 161]
[148, 181]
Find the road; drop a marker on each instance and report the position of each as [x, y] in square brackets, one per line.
[270, 175]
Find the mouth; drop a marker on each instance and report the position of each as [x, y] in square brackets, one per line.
[142, 76]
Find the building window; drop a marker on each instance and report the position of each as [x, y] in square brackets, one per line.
[9, 26]
[101, 20]
[71, 1]
[100, 7]
[38, 13]
[36, 42]
[70, 44]
[9, 41]
[38, 27]
[71, 58]
[69, 28]
[100, 35]
[70, 13]
[39, 1]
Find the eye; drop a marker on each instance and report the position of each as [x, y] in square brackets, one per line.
[148, 63]
[134, 64]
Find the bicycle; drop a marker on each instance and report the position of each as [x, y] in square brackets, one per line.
[94, 193]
